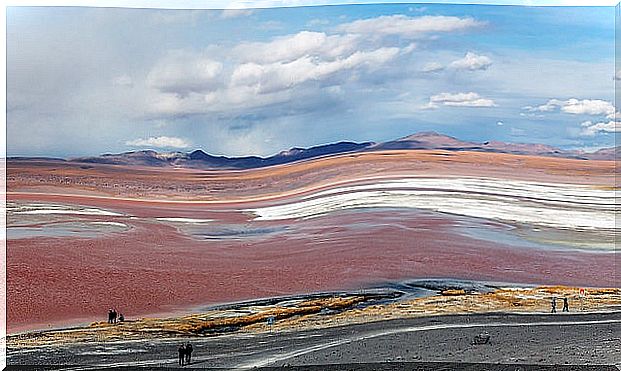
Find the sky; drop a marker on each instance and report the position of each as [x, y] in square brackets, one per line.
[84, 81]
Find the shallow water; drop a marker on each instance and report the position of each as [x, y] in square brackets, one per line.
[68, 229]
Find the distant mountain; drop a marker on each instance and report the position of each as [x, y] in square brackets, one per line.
[199, 159]
[604, 154]
[529, 149]
[137, 158]
[428, 140]
[433, 140]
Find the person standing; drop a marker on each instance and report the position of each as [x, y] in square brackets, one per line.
[181, 354]
[565, 304]
[188, 353]
[110, 315]
[554, 305]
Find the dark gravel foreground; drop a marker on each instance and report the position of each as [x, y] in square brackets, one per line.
[516, 342]
[388, 366]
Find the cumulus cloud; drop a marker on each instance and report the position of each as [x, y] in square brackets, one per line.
[159, 142]
[279, 76]
[470, 99]
[472, 62]
[408, 27]
[590, 128]
[299, 67]
[592, 107]
[588, 107]
[288, 48]
[432, 67]
[251, 85]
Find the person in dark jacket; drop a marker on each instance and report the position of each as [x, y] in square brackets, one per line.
[565, 304]
[181, 354]
[188, 353]
[553, 305]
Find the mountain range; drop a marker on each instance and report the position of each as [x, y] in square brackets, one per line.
[420, 141]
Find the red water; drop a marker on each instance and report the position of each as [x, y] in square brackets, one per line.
[156, 269]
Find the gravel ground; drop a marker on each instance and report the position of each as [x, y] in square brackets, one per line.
[539, 339]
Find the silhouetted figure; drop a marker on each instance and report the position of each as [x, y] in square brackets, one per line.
[565, 305]
[121, 317]
[188, 353]
[114, 315]
[110, 315]
[181, 354]
[553, 305]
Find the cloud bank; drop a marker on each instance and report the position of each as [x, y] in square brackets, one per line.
[470, 99]
[593, 107]
[159, 142]
[300, 67]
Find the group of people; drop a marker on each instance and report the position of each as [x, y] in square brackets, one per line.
[113, 315]
[565, 304]
[185, 354]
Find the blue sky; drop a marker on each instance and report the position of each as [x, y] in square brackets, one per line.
[85, 81]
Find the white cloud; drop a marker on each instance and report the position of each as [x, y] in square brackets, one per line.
[459, 100]
[260, 74]
[472, 62]
[551, 105]
[279, 76]
[291, 47]
[432, 67]
[590, 129]
[159, 142]
[290, 68]
[234, 13]
[253, 85]
[588, 107]
[184, 72]
[592, 107]
[409, 27]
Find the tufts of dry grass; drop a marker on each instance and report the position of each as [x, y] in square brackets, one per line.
[192, 325]
[310, 313]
